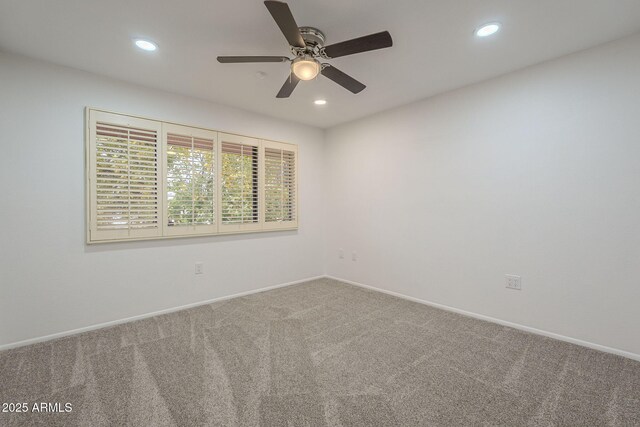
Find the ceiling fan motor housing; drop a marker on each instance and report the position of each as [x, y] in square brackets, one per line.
[314, 40]
[312, 36]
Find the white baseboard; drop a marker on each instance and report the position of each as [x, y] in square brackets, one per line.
[146, 315]
[588, 344]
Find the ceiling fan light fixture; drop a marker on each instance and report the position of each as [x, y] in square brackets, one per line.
[307, 45]
[305, 67]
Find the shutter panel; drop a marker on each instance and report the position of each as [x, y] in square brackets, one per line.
[190, 185]
[280, 185]
[124, 176]
[240, 183]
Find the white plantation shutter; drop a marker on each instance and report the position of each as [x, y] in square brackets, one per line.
[148, 179]
[240, 183]
[280, 185]
[124, 177]
[190, 180]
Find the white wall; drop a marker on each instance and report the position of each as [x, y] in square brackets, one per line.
[50, 281]
[535, 173]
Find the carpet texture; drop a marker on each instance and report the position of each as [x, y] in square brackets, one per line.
[318, 353]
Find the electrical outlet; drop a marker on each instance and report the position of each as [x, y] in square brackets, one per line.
[341, 253]
[513, 282]
[354, 256]
[199, 268]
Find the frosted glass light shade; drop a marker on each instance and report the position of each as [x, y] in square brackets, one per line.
[305, 68]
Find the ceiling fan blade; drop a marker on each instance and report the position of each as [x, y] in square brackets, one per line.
[283, 17]
[344, 80]
[361, 44]
[240, 59]
[288, 86]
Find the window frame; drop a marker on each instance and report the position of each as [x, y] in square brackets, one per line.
[164, 231]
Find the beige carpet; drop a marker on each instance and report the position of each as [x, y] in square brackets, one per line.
[318, 353]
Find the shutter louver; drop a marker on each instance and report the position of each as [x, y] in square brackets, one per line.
[280, 185]
[126, 181]
[190, 183]
[239, 183]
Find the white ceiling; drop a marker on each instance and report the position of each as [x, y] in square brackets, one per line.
[434, 46]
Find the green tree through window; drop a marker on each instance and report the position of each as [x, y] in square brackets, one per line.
[239, 183]
[190, 181]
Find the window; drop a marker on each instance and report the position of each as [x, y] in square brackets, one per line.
[124, 183]
[280, 184]
[190, 180]
[149, 179]
[240, 183]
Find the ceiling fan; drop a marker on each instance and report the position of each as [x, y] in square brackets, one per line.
[307, 46]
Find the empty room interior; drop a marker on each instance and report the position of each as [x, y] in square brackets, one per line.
[320, 213]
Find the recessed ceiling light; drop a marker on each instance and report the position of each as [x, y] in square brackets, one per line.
[146, 45]
[488, 29]
[320, 101]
